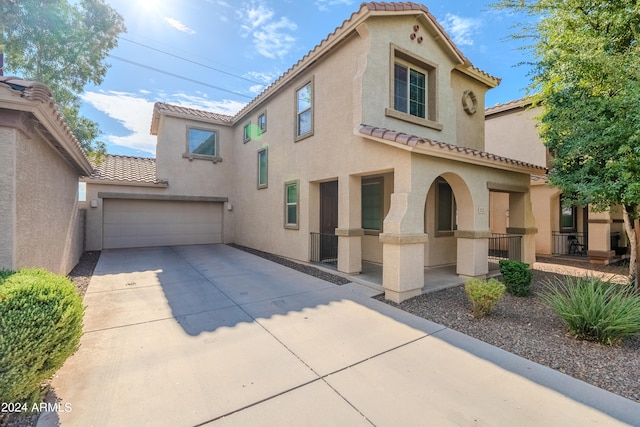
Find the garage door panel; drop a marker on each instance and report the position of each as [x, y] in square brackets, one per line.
[139, 223]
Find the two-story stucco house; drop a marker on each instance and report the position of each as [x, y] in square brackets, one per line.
[511, 130]
[374, 138]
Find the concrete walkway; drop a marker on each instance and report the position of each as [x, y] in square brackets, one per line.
[210, 335]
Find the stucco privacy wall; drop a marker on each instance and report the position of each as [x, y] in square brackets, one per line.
[8, 138]
[48, 222]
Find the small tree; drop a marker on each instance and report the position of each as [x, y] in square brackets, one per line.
[586, 77]
[62, 44]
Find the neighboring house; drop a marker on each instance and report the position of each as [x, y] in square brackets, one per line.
[40, 163]
[511, 130]
[374, 140]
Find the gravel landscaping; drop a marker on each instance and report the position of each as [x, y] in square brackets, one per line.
[528, 328]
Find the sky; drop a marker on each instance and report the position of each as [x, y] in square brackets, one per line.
[217, 55]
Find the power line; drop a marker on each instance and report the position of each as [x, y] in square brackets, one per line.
[179, 76]
[191, 61]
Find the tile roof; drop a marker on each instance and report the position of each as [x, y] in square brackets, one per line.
[42, 96]
[169, 108]
[413, 141]
[507, 106]
[127, 169]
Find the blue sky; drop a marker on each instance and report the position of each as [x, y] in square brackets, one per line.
[218, 54]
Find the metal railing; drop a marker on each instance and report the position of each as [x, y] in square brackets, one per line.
[568, 243]
[324, 248]
[505, 246]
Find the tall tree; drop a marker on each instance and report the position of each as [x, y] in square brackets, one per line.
[586, 78]
[62, 44]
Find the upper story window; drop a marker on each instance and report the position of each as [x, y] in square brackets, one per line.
[304, 111]
[413, 89]
[247, 133]
[263, 168]
[202, 144]
[262, 122]
[409, 90]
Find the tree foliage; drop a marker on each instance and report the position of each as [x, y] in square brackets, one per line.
[62, 44]
[586, 79]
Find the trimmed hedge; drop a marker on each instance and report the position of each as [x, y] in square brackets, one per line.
[40, 327]
[517, 277]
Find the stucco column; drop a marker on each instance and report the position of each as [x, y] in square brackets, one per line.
[473, 250]
[599, 247]
[403, 243]
[349, 229]
[522, 222]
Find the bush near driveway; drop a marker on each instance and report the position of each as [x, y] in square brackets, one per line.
[594, 310]
[517, 277]
[40, 327]
[484, 295]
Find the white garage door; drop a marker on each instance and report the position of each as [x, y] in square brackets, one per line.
[138, 223]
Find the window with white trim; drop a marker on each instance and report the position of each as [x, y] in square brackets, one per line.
[263, 168]
[304, 111]
[291, 208]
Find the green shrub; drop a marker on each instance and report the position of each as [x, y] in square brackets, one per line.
[517, 277]
[4, 274]
[594, 310]
[40, 326]
[484, 295]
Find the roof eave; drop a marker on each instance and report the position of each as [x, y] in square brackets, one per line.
[54, 125]
[100, 181]
[451, 153]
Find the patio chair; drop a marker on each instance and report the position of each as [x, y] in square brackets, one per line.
[575, 247]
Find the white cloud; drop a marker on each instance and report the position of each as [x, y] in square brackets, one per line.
[324, 5]
[271, 36]
[262, 76]
[179, 26]
[461, 30]
[134, 112]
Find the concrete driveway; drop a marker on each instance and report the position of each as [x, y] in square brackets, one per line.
[211, 335]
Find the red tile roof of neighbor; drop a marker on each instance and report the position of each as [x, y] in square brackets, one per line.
[521, 103]
[413, 141]
[41, 95]
[126, 169]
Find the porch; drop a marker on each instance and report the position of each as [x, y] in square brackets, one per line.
[324, 255]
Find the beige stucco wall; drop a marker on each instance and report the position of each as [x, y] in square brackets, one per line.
[514, 134]
[382, 35]
[48, 225]
[8, 137]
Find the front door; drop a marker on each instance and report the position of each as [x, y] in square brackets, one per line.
[328, 221]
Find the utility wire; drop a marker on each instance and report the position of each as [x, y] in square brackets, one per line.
[191, 61]
[179, 76]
